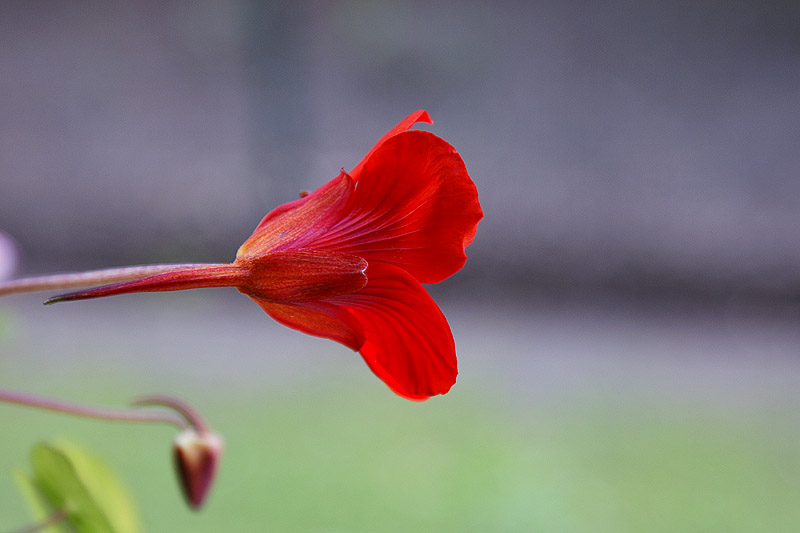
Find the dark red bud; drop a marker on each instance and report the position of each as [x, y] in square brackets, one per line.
[197, 456]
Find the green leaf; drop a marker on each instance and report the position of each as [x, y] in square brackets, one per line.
[108, 492]
[69, 478]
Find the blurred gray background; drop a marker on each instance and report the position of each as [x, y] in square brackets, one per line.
[645, 149]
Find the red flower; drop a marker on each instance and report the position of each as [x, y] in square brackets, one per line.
[347, 261]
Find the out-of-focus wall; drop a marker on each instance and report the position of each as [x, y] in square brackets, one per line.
[640, 147]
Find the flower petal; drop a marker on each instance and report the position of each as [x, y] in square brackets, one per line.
[414, 206]
[295, 224]
[321, 319]
[400, 331]
[408, 343]
[404, 125]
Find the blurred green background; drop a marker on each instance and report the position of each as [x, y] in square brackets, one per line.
[620, 422]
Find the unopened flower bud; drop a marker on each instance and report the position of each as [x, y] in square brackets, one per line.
[197, 455]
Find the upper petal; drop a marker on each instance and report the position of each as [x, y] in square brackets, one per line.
[403, 125]
[295, 223]
[414, 206]
[298, 223]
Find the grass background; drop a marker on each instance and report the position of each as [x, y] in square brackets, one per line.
[552, 437]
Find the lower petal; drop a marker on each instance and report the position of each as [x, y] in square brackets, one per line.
[407, 340]
[321, 319]
[393, 322]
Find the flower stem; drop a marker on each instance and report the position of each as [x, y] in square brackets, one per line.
[124, 415]
[87, 279]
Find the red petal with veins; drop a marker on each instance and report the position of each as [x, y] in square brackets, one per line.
[312, 214]
[414, 206]
[399, 330]
[408, 343]
[299, 223]
[404, 125]
[321, 319]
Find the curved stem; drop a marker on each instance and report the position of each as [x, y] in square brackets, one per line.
[190, 415]
[87, 279]
[122, 415]
[51, 520]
